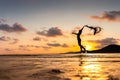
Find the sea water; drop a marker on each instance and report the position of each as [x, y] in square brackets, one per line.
[60, 67]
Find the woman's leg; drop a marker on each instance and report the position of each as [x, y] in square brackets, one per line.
[83, 49]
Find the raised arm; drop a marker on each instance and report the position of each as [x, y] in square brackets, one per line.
[89, 26]
[74, 33]
[82, 28]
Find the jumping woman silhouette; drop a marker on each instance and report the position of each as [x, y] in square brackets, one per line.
[95, 29]
[79, 40]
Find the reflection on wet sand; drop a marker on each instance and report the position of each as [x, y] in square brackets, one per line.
[61, 67]
[91, 70]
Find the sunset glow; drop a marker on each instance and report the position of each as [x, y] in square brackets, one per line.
[88, 47]
[38, 27]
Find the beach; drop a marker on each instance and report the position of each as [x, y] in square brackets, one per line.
[60, 67]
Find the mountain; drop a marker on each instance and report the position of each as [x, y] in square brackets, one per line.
[108, 49]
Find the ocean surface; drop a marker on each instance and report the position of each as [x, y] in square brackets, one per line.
[60, 67]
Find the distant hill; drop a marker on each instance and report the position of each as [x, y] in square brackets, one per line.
[108, 49]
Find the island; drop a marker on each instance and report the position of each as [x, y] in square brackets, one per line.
[112, 48]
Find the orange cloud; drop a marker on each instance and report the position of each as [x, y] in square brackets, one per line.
[14, 41]
[7, 39]
[37, 38]
[8, 49]
[4, 38]
[57, 45]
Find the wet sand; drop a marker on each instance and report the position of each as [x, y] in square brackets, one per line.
[60, 67]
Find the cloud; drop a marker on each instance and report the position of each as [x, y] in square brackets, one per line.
[2, 20]
[75, 29]
[54, 44]
[37, 39]
[109, 16]
[14, 41]
[37, 46]
[65, 45]
[29, 46]
[26, 47]
[51, 32]
[46, 47]
[7, 49]
[105, 42]
[57, 45]
[16, 28]
[4, 38]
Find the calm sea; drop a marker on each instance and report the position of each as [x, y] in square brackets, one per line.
[60, 67]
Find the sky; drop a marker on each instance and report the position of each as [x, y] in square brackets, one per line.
[45, 26]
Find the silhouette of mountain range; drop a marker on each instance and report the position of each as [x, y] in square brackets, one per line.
[107, 49]
[113, 48]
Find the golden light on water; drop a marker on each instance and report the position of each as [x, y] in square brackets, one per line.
[87, 69]
[93, 70]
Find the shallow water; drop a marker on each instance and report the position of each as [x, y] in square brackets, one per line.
[66, 66]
